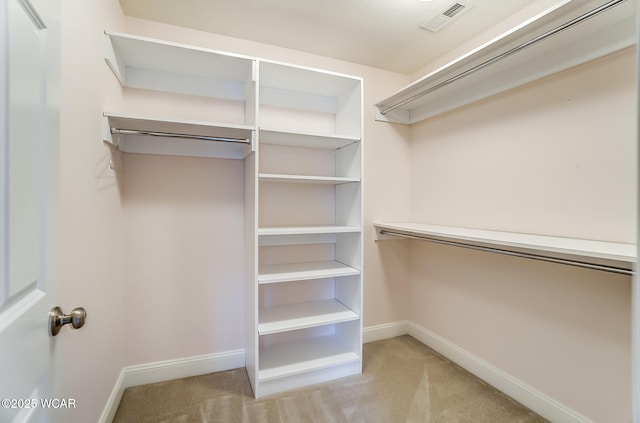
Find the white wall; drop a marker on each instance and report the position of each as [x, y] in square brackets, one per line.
[184, 250]
[554, 157]
[91, 271]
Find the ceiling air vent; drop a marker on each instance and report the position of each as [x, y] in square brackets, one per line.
[452, 11]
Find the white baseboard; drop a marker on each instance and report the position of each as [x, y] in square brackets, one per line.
[384, 331]
[193, 366]
[540, 403]
[167, 370]
[182, 367]
[111, 407]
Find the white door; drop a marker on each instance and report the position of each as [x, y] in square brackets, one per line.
[29, 132]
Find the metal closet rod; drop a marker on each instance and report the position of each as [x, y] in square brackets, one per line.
[576, 263]
[173, 135]
[506, 54]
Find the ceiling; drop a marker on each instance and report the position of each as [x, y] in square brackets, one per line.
[384, 34]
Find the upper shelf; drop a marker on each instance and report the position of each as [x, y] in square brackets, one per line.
[335, 97]
[140, 62]
[307, 140]
[134, 134]
[582, 31]
[616, 257]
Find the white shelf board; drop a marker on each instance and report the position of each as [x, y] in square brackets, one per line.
[276, 273]
[303, 315]
[288, 77]
[306, 230]
[193, 127]
[306, 179]
[602, 34]
[141, 62]
[587, 250]
[308, 140]
[177, 146]
[296, 235]
[297, 357]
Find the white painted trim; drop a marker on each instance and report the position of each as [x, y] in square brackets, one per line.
[535, 400]
[193, 366]
[183, 367]
[167, 370]
[385, 331]
[111, 407]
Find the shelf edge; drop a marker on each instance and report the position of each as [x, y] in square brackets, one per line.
[554, 249]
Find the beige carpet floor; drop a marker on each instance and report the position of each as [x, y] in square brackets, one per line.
[402, 381]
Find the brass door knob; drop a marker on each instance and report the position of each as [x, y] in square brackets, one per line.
[57, 319]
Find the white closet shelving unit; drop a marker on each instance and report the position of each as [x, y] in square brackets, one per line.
[569, 33]
[300, 136]
[307, 290]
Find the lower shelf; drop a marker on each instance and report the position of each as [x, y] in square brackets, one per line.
[303, 315]
[297, 357]
[304, 271]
